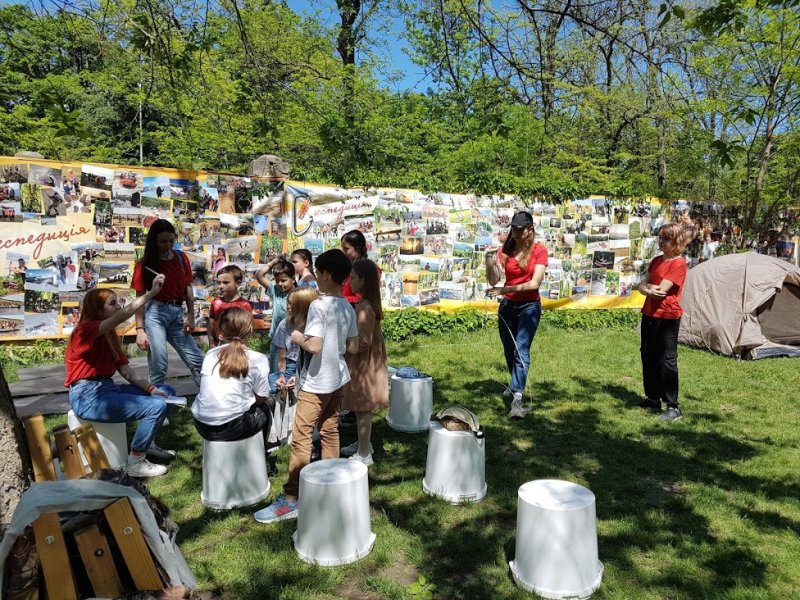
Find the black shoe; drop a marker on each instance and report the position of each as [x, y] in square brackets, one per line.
[673, 413]
[347, 418]
[159, 454]
[650, 404]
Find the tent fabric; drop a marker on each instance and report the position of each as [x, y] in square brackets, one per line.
[780, 317]
[722, 298]
[86, 495]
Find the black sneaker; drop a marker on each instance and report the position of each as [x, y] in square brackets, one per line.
[650, 404]
[673, 413]
[159, 454]
[347, 418]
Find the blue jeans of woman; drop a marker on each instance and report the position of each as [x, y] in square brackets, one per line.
[163, 323]
[104, 401]
[518, 322]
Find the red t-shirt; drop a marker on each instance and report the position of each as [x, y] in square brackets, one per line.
[668, 307]
[516, 275]
[177, 277]
[88, 355]
[348, 292]
[218, 305]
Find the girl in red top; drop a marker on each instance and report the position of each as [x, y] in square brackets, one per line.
[661, 320]
[354, 246]
[523, 262]
[164, 320]
[94, 354]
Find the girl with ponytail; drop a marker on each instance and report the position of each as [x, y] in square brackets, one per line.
[234, 387]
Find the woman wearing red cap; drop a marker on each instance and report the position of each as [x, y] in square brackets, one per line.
[523, 262]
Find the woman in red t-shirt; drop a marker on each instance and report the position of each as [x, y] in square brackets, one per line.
[661, 320]
[354, 246]
[523, 262]
[94, 354]
[164, 320]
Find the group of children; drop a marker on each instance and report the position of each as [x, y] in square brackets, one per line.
[327, 350]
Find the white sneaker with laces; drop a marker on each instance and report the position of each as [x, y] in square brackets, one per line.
[367, 460]
[353, 448]
[144, 468]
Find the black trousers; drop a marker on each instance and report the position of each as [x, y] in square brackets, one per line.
[256, 419]
[659, 351]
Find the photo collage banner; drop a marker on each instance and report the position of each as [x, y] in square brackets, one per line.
[66, 228]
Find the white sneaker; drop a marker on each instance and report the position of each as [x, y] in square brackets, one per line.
[144, 468]
[367, 460]
[353, 448]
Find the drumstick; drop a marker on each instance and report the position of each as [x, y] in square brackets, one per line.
[152, 271]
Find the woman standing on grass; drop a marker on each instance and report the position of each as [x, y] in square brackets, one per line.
[523, 263]
[163, 320]
[661, 319]
[354, 246]
[94, 353]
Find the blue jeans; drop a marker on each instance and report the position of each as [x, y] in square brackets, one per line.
[104, 401]
[164, 323]
[518, 322]
[291, 371]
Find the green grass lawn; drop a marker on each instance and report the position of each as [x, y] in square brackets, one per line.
[704, 507]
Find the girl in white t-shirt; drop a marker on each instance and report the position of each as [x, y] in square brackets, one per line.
[234, 384]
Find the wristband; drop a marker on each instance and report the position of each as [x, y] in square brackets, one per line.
[138, 328]
[150, 388]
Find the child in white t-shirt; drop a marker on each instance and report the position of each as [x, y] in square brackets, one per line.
[234, 387]
[330, 331]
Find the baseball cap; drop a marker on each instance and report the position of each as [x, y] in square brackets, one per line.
[522, 219]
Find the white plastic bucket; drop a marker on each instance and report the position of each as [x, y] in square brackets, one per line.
[556, 549]
[333, 522]
[234, 473]
[456, 466]
[410, 404]
[113, 438]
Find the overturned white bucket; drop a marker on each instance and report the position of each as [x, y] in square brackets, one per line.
[556, 549]
[456, 466]
[333, 523]
[234, 473]
[113, 438]
[410, 403]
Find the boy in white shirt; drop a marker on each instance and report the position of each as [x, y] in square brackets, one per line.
[330, 332]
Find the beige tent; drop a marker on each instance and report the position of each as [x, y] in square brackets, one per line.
[745, 305]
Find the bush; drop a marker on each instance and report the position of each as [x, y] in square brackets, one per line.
[591, 319]
[400, 325]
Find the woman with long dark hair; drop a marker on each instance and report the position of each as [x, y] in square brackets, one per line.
[94, 353]
[523, 262]
[354, 246]
[163, 320]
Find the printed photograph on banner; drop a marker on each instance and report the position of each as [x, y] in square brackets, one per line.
[483, 242]
[71, 181]
[428, 296]
[244, 245]
[41, 301]
[267, 197]
[598, 246]
[202, 308]
[102, 213]
[66, 266]
[97, 181]
[434, 212]
[272, 247]
[625, 285]
[411, 222]
[126, 189]
[14, 173]
[10, 212]
[42, 323]
[619, 232]
[114, 274]
[409, 263]
[188, 236]
[501, 217]
[445, 268]
[160, 208]
[136, 235]
[87, 275]
[603, 260]
[53, 204]
[230, 224]
[313, 245]
[41, 280]
[601, 209]
[635, 228]
[438, 244]
[110, 234]
[242, 194]
[464, 232]
[412, 245]
[461, 217]
[183, 189]
[209, 230]
[209, 198]
[391, 289]
[156, 186]
[12, 301]
[451, 291]
[70, 315]
[331, 243]
[226, 194]
[44, 175]
[583, 279]
[261, 224]
[437, 225]
[219, 258]
[562, 252]
[612, 283]
[11, 325]
[199, 263]
[598, 285]
[626, 266]
[78, 203]
[119, 251]
[387, 256]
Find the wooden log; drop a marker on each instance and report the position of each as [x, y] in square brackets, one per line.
[128, 534]
[58, 577]
[68, 452]
[99, 562]
[39, 447]
[92, 449]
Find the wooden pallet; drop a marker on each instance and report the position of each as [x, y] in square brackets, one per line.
[92, 570]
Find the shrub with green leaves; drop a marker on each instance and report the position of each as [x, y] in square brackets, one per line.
[591, 319]
[402, 324]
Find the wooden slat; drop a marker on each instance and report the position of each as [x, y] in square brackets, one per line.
[92, 449]
[127, 533]
[98, 561]
[39, 447]
[52, 550]
[68, 452]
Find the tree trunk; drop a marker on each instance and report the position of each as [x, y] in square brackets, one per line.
[15, 465]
